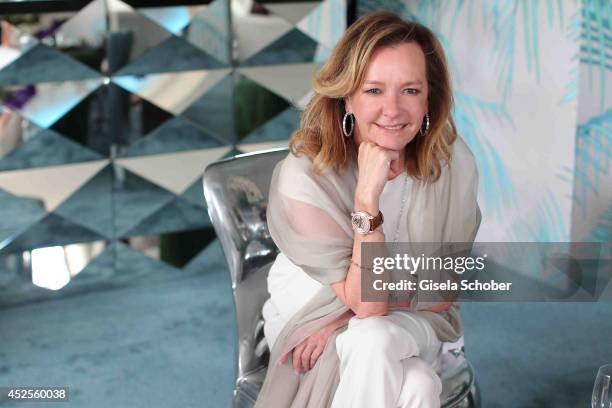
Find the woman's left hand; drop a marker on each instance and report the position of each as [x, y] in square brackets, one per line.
[306, 354]
[437, 308]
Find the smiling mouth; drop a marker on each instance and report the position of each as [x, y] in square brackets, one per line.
[392, 127]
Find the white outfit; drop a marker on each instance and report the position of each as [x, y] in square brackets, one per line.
[390, 358]
[388, 361]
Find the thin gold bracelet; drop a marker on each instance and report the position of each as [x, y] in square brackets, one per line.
[360, 267]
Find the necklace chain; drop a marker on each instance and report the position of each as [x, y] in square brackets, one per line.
[397, 229]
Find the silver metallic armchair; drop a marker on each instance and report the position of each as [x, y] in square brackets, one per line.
[236, 192]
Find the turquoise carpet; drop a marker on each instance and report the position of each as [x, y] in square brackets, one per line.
[166, 344]
[533, 355]
[171, 344]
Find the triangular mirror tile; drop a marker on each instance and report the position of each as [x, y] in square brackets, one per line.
[18, 213]
[279, 128]
[45, 103]
[8, 56]
[195, 194]
[134, 199]
[293, 47]
[174, 249]
[213, 110]
[172, 55]
[108, 266]
[115, 120]
[293, 12]
[255, 31]
[175, 135]
[177, 215]
[49, 185]
[304, 100]
[172, 18]
[44, 64]
[53, 272]
[396, 6]
[87, 122]
[257, 147]
[174, 172]
[71, 258]
[187, 87]
[322, 54]
[135, 266]
[18, 43]
[51, 230]
[209, 30]
[99, 271]
[84, 34]
[255, 104]
[133, 120]
[91, 205]
[76, 33]
[326, 23]
[291, 81]
[131, 35]
[29, 144]
[233, 152]
[211, 258]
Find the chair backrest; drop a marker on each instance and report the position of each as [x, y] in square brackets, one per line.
[236, 192]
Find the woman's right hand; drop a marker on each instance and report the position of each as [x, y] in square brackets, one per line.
[306, 354]
[376, 166]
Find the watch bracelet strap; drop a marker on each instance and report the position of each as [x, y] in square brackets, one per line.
[376, 221]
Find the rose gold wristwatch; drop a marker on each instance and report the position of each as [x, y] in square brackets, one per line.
[365, 223]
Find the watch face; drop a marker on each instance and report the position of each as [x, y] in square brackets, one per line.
[361, 223]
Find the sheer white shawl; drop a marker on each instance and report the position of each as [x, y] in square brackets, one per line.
[309, 219]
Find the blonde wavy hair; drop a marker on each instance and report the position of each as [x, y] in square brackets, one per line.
[320, 134]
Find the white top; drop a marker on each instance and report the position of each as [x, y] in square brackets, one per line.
[291, 288]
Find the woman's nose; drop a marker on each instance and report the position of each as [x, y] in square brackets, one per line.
[391, 107]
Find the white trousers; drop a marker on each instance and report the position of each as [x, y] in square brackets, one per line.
[388, 362]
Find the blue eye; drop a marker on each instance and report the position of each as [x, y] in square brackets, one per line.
[378, 91]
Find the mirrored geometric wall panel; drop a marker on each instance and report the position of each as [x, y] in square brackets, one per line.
[161, 193]
[23, 141]
[55, 221]
[55, 205]
[59, 116]
[56, 271]
[107, 36]
[278, 48]
[268, 101]
[109, 115]
[256, 105]
[286, 32]
[128, 116]
[39, 273]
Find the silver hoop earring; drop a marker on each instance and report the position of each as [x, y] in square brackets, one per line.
[348, 133]
[423, 133]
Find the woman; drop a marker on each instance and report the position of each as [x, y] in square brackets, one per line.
[377, 137]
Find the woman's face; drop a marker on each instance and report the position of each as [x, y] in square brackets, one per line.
[390, 105]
